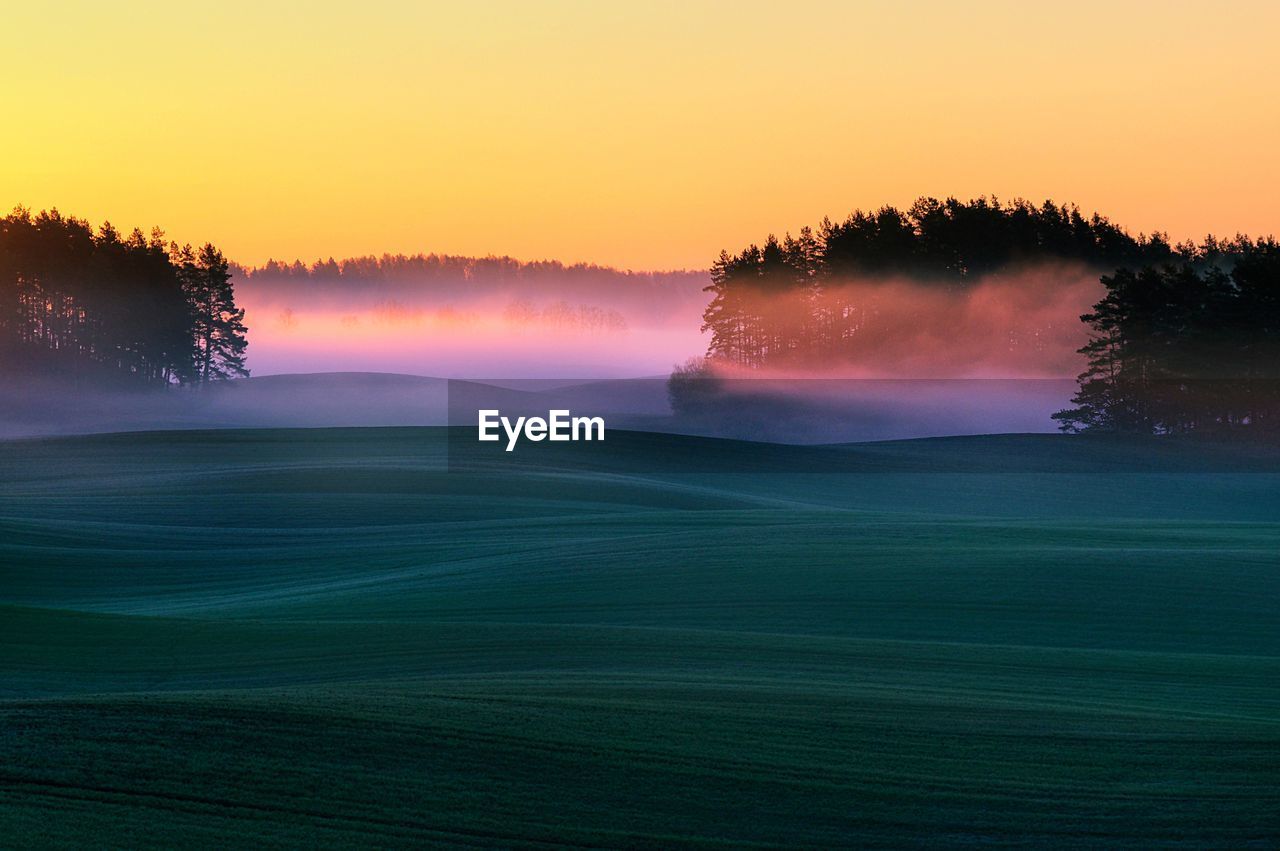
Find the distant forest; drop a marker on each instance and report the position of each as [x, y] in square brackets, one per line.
[394, 281]
[1186, 339]
[79, 302]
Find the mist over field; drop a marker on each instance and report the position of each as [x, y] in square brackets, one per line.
[949, 318]
[803, 411]
[1016, 323]
[371, 348]
[922, 358]
[472, 320]
[467, 317]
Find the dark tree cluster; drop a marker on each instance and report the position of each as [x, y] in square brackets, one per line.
[75, 301]
[789, 302]
[1192, 347]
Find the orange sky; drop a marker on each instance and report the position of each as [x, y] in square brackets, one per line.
[646, 134]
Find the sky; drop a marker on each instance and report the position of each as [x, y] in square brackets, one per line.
[646, 135]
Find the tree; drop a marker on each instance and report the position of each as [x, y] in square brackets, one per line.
[219, 336]
[693, 388]
[1185, 348]
[790, 303]
[76, 303]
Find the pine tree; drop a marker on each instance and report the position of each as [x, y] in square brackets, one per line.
[1187, 348]
[218, 333]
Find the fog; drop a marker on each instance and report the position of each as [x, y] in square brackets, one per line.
[43, 407]
[516, 339]
[467, 317]
[922, 360]
[787, 410]
[1017, 324]
[1023, 324]
[778, 410]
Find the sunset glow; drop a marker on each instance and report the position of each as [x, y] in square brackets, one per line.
[646, 136]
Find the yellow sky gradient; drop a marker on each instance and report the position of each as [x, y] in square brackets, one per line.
[644, 135]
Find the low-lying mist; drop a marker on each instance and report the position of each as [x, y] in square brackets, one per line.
[1016, 324]
[460, 317]
[1021, 323]
[524, 337]
[888, 369]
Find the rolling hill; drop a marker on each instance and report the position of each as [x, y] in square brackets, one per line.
[328, 636]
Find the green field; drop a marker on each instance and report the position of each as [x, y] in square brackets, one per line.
[329, 638]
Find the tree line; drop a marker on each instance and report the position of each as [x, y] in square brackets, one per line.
[76, 301]
[419, 268]
[789, 302]
[1186, 338]
[437, 279]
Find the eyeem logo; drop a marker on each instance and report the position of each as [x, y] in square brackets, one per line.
[558, 426]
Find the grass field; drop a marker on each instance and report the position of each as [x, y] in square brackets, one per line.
[332, 637]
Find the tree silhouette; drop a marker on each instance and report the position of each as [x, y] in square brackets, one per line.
[784, 303]
[1187, 347]
[1186, 339]
[218, 332]
[75, 302]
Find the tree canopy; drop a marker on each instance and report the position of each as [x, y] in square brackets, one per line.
[786, 301]
[74, 300]
[1192, 347]
[1185, 339]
